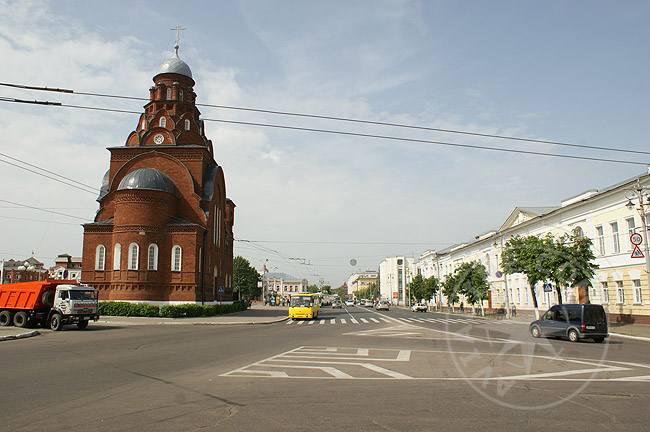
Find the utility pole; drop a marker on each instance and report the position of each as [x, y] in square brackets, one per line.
[639, 193]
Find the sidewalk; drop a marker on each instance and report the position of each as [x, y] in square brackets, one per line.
[258, 314]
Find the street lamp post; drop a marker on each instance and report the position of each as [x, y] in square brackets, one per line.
[639, 193]
[505, 281]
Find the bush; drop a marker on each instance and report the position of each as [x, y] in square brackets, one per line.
[188, 310]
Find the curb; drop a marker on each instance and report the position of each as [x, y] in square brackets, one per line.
[194, 323]
[20, 336]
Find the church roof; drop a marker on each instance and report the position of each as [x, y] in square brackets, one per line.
[148, 178]
[175, 65]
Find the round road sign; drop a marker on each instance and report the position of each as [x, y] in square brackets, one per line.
[636, 239]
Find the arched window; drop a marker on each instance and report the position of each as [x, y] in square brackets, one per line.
[162, 122]
[180, 95]
[176, 258]
[169, 93]
[578, 231]
[152, 262]
[134, 251]
[117, 256]
[100, 256]
[187, 125]
[144, 123]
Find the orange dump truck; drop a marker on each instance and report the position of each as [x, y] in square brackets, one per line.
[50, 303]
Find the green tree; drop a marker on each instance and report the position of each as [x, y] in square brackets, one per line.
[450, 289]
[246, 278]
[313, 289]
[471, 278]
[579, 267]
[522, 255]
[341, 292]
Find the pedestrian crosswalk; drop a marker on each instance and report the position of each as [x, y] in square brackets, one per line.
[380, 319]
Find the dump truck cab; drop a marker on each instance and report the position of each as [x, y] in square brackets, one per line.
[75, 304]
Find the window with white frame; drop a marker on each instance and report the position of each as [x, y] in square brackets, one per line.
[600, 240]
[169, 93]
[162, 122]
[616, 244]
[117, 256]
[100, 257]
[152, 261]
[631, 229]
[604, 287]
[176, 258]
[134, 252]
[636, 284]
[620, 293]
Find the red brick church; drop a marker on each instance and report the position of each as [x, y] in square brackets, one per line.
[164, 229]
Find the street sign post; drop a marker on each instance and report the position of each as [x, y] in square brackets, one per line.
[636, 239]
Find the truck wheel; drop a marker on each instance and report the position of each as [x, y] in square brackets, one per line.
[48, 298]
[82, 324]
[20, 319]
[55, 322]
[5, 318]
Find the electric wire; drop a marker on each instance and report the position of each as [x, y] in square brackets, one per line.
[382, 137]
[92, 189]
[342, 119]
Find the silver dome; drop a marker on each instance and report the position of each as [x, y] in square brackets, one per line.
[148, 178]
[175, 65]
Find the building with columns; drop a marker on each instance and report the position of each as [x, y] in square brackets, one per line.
[609, 217]
[164, 229]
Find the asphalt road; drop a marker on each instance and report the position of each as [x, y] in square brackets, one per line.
[352, 369]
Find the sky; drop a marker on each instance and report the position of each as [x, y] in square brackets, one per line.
[309, 203]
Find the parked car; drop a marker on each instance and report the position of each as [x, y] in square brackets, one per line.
[382, 305]
[572, 321]
[419, 307]
[337, 304]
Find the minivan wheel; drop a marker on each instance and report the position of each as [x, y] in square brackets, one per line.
[599, 339]
[573, 336]
[535, 332]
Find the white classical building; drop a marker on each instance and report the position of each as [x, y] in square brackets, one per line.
[608, 217]
[394, 275]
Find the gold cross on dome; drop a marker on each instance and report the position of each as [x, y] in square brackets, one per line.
[178, 28]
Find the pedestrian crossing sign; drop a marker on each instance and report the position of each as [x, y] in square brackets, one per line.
[636, 253]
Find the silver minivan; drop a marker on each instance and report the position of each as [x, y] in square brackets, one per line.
[572, 321]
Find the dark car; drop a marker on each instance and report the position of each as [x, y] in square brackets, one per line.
[572, 321]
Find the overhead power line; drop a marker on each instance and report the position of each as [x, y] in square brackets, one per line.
[383, 137]
[74, 183]
[43, 210]
[343, 119]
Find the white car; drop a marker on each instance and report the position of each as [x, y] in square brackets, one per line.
[349, 302]
[419, 307]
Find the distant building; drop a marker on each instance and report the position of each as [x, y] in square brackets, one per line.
[395, 274]
[14, 271]
[164, 230]
[360, 281]
[66, 267]
[282, 285]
